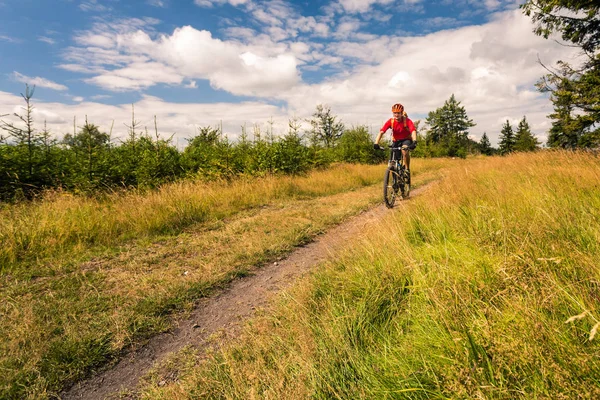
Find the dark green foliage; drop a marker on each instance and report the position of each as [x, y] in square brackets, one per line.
[550, 16]
[575, 92]
[87, 161]
[485, 147]
[290, 155]
[88, 157]
[507, 139]
[524, 139]
[356, 146]
[576, 100]
[448, 131]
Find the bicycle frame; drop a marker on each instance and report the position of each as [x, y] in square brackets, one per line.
[396, 177]
[392, 161]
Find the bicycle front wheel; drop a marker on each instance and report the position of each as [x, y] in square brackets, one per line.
[390, 185]
[406, 187]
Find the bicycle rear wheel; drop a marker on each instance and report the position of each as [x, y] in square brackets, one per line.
[390, 187]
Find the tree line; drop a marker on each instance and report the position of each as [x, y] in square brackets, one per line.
[90, 160]
[574, 90]
[447, 135]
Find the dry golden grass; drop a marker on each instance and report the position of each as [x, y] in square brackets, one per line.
[465, 296]
[71, 300]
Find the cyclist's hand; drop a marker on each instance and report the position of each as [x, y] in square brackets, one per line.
[376, 146]
[413, 145]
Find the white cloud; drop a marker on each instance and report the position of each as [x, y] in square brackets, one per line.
[210, 3]
[362, 6]
[135, 60]
[180, 119]
[93, 5]
[46, 39]
[38, 81]
[158, 3]
[137, 76]
[9, 39]
[491, 68]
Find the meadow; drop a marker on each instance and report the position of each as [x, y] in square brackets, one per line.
[83, 279]
[485, 286]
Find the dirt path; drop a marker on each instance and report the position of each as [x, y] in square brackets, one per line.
[226, 311]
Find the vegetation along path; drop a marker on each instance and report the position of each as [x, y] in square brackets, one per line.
[225, 312]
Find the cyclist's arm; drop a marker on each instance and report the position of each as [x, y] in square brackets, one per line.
[384, 129]
[413, 131]
[379, 137]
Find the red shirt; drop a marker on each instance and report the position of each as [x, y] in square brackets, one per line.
[399, 132]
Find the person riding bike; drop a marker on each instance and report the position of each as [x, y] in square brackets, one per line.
[403, 133]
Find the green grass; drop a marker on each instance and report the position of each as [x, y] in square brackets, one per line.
[467, 291]
[85, 279]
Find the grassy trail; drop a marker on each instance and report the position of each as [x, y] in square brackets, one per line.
[69, 308]
[489, 288]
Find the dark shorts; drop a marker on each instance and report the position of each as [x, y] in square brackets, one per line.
[400, 143]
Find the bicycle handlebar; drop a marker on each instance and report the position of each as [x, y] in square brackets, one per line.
[404, 147]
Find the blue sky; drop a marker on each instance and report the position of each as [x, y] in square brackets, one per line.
[243, 62]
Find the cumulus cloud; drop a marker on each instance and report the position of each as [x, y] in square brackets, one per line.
[139, 60]
[38, 81]
[178, 119]
[362, 6]
[353, 6]
[490, 67]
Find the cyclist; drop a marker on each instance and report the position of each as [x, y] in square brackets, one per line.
[403, 133]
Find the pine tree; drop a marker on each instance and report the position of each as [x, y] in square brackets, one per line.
[575, 92]
[524, 139]
[569, 128]
[325, 129]
[89, 162]
[485, 146]
[507, 139]
[25, 137]
[449, 128]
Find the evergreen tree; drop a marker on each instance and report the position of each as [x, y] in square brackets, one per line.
[485, 146]
[575, 92]
[507, 139]
[524, 139]
[200, 155]
[570, 127]
[448, 129]
[25, 137]
[89, 163]
[325, 128]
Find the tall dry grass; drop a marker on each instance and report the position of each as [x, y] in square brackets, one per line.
[63, 222]
[487, 286]
[67, 308]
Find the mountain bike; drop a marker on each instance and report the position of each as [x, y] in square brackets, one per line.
[397, 177]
